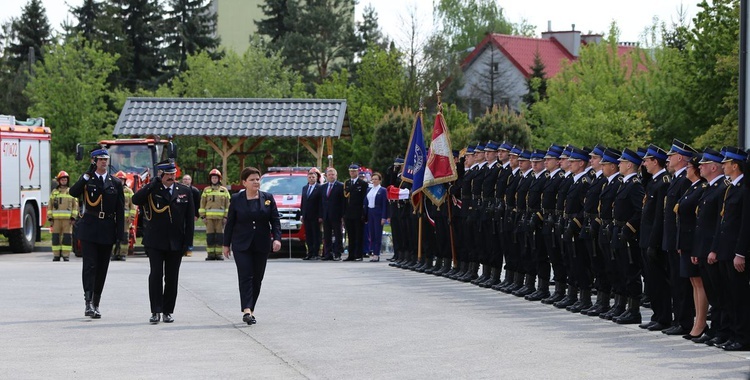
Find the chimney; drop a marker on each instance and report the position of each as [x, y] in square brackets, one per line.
[570, 40]
[549, 25]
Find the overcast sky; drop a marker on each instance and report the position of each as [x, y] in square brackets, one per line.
[588, 15]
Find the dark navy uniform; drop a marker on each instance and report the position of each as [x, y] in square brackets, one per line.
[355, 191]
[549, 234]
[100, 227]
[580, 267]
[606, 231]
[590, 238]
[168, 232]
[510, 243]
[519, 226]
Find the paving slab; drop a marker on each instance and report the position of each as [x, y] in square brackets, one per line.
[318, 320]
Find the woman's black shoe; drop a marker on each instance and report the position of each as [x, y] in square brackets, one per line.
[155, 317]
[249, 319]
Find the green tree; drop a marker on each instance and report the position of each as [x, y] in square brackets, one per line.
[191, 28]
[461, 129]
[502, 124]
[536, 83]
[88, 20]
[278, 22]
[31, 31]
[467, 22]
[321, 38]
[593, 101]
[69, 89]
[391, 138]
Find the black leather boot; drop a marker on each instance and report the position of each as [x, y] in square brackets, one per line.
[632, 315]
[471, 274]
[89, 309]
[584, 301]
[601, 305]
[528, 287]
[485, 275]
[445, 268]
[541, 292]
[426, 265]
[435, 267]
[558, 295]
[617, 308]
[455, 269]
[509, 276]
[515, 285]
[493, 280]
[569, 299]
[95, 301]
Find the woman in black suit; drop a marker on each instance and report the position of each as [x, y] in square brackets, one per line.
[253, 219]
[686, 220]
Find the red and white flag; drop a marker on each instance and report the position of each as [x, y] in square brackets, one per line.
[441, 168]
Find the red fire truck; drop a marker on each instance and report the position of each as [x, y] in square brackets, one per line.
[24, 180]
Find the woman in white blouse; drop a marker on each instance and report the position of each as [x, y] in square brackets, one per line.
[376, 209]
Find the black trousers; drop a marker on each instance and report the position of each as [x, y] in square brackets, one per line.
[332, 238]
[711, 275]
[95, 265]
[312, 237]
[251, 267]
[629, 264]
[163, 279]
[354, 236]
[656, 275]
[735, 284]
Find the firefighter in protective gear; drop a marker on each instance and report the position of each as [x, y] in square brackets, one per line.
[213, 211]
[63, 212]
[130, 211]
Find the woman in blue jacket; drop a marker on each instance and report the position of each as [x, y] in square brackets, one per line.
[252, 222]
[376, 209]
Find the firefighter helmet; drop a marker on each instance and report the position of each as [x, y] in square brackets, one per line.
[121, 175]
[62, 174]
[214, 172]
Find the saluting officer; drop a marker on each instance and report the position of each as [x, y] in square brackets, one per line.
[100, 226]
[170, 219]
[213, 210]
[63, 212]
[130, 211]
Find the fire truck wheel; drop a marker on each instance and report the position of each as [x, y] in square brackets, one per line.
[22, 240]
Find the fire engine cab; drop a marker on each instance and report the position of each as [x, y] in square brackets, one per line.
[24, 180]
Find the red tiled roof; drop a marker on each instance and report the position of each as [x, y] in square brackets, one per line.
[521, 50]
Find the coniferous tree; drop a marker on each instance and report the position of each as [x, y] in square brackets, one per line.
[278, 22]
[32, 30]
[88, 18]
[537, 82]
[191, 28]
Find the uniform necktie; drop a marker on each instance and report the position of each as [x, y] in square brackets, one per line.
[309, 190]
[330, 186]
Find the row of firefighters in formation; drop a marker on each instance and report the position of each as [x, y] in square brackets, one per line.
[605, 219]
[212, 206]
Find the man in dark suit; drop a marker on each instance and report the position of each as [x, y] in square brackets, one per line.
[355, 190]
[188, 181]
[627, 210]
[707, 217]
[729, 254]
[310, 208]
[168, 232]
[100, 226]
[680, 289]
[332, 214]
[655, 264]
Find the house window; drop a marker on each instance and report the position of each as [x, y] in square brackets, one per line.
[495, 67]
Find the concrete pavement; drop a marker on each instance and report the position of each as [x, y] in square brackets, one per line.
[318, 320]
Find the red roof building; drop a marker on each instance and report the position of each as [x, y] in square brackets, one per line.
[495, 72]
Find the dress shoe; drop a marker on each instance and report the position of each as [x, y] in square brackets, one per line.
[168, 318]
[327, 258]
[210, 257]
[736, 346]
[702, 339]
[675, 330]
[155, 317]
[89, 310]
[249, 319]
[349, 258]
[657, 327]
[97, 314]
[219, 257]
[691, 337]
[306, 258]
[66, 259]
[727, 343]
[716, 341]
[646, 325]
[56, 258]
